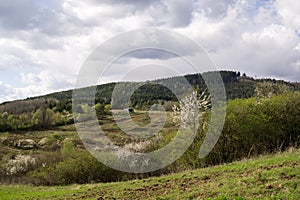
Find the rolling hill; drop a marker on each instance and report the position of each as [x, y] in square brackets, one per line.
[236, 86]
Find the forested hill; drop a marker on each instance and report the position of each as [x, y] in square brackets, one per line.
[236, 85]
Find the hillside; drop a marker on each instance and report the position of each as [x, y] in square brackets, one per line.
[266, 177]
[236, 86]
[39, 144]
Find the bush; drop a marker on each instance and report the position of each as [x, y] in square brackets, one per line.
[251, 128]
[254, 127]
[77, 166]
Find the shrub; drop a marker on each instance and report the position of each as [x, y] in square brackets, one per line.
[77, 166]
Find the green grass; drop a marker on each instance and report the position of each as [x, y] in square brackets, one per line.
[267, 177]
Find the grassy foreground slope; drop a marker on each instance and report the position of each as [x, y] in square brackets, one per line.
[267, 177]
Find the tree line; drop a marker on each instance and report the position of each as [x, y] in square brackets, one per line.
[21, 114]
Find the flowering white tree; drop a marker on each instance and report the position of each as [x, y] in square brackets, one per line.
[190, 109]
[19, 164]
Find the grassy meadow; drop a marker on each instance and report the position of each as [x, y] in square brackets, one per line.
[266, 177]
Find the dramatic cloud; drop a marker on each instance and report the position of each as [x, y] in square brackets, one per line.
[44, 43]
[250, 37]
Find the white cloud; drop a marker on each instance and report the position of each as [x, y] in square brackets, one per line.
[289, 12]
[172, 13]
[7, 92]
[34, 85]
[55, 37]
[247, 38]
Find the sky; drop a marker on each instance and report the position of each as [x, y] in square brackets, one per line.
[43, 44]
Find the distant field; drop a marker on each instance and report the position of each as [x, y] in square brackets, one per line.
[267, 177]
